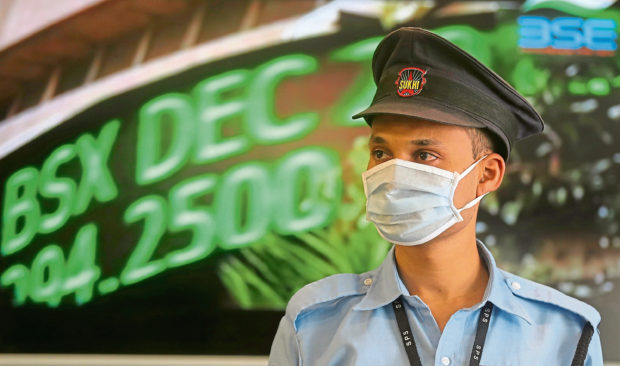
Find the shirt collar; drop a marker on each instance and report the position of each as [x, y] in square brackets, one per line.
[384, 288]
[387, 286]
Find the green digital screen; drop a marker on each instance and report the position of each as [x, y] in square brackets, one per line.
[177, 176]
[167, 218]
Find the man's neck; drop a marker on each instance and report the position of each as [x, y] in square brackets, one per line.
[447, 274]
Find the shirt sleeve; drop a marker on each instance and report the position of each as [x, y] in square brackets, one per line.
[595, 352]
[285, 347]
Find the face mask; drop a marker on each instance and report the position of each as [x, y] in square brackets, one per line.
[412, 203]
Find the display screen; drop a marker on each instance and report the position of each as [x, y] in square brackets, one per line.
[180, 217]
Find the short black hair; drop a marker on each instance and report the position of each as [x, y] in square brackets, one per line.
[482, 141]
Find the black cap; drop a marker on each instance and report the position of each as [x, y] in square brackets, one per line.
[421, 74]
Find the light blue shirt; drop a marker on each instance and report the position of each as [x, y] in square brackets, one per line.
[348, 319]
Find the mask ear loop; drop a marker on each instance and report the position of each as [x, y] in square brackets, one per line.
[473, 202]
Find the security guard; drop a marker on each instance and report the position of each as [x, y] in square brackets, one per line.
[442, 126]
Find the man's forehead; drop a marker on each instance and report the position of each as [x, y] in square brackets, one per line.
[394, 130]
[411, 126]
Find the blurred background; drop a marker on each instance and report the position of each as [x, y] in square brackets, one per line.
[172, 171]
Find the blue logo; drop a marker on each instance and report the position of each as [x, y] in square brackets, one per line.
[569, 35]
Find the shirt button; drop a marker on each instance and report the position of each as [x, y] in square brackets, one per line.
[515, 285]
[445, 361]
[368, 281]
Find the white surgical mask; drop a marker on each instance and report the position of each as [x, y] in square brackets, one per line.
[412, 203]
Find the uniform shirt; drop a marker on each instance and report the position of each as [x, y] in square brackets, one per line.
[348, 319]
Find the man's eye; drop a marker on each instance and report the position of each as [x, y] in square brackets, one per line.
[426, 156]
[378, 154]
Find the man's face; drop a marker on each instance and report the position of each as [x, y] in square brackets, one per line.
[443, 146]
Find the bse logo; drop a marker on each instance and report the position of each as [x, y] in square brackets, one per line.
[567, 35]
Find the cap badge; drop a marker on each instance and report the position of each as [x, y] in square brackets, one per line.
[410, 81]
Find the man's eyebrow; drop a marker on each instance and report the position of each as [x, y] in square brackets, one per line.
[420, 142]
[426, 142]
[376, 140]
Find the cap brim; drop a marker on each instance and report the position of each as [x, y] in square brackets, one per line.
[421, 108]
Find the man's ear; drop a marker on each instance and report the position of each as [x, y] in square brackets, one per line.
[493, 169]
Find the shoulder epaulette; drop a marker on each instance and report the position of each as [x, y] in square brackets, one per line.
[538, 292]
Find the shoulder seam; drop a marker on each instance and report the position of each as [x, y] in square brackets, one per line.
[322, 291]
